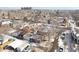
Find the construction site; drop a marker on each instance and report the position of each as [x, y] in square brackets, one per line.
[39, 30]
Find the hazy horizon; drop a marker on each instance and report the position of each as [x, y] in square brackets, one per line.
[50, 8]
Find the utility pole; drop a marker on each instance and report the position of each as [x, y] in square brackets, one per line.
[8, 15]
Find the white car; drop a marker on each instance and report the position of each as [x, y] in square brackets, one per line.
[19, 46]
